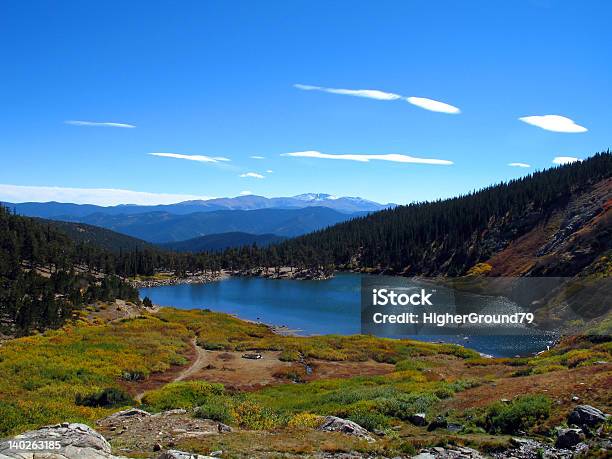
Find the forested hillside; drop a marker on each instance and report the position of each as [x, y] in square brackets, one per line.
[42, 277]
[222, 241]
[557, 220]
[99, 237]
[45, 274]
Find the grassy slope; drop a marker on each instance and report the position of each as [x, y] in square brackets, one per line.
[43, 375]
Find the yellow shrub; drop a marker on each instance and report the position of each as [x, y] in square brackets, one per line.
[305, 421]
[479, 269]
[251, 415]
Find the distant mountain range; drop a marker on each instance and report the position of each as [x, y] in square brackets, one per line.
[58, 210]
[255, 215]
[222, 241]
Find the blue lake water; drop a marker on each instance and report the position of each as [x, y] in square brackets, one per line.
[312, 307]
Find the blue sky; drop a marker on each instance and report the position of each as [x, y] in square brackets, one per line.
[217, 80]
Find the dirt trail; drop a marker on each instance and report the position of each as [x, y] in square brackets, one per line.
[195, 366]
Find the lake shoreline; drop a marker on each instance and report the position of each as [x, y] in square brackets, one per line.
[311, 308]
[201, 278]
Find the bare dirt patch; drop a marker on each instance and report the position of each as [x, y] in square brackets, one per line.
[230, 369]
[235, 372]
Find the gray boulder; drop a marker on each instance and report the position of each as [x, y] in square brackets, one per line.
[586, 415]
[453, 452]
[62, 441]
[130, 412]
[567, 438]
[175, 454]
[223, 428]
[335, 424]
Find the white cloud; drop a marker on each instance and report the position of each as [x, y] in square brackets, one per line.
[433, 105]
[199, 158]
[519, 164]
[427, 104]
[257, 157]
[555, 123]
[368, 93]
[565, 160]
[252, 175]
[97, 123]
[269, 171]
[366, 158]
[246, 193]
[98, 196]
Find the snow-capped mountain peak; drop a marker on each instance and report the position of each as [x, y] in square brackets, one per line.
[314, 197]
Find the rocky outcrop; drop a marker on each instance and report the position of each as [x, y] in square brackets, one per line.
[201, 278]
[567, 438]
[60, 441]
[175, 454]
[527, 448]
[456, 452]
[78, 441]
[335, 424]
[138, 429]
[586, 416]
[287, 273]
[129, 413]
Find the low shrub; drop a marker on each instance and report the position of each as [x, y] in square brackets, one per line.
[251, 415]
[370, 420]
[521, 414]
[405, 405]
[182, 394]
[214, 346]
[547, 369]
[290, 355]
[522, 372]
[218, 409]
[107, 398]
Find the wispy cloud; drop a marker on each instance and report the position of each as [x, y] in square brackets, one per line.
[433, 105]
[246, 193]
[269, 171]
[99, 123]
[368, 93]
[366, 158]
[257, 157]
[422, 102]
[519, 164]
[565, 159]
[98, 196]
[199, 158]
[555, 123]
[252, 175]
